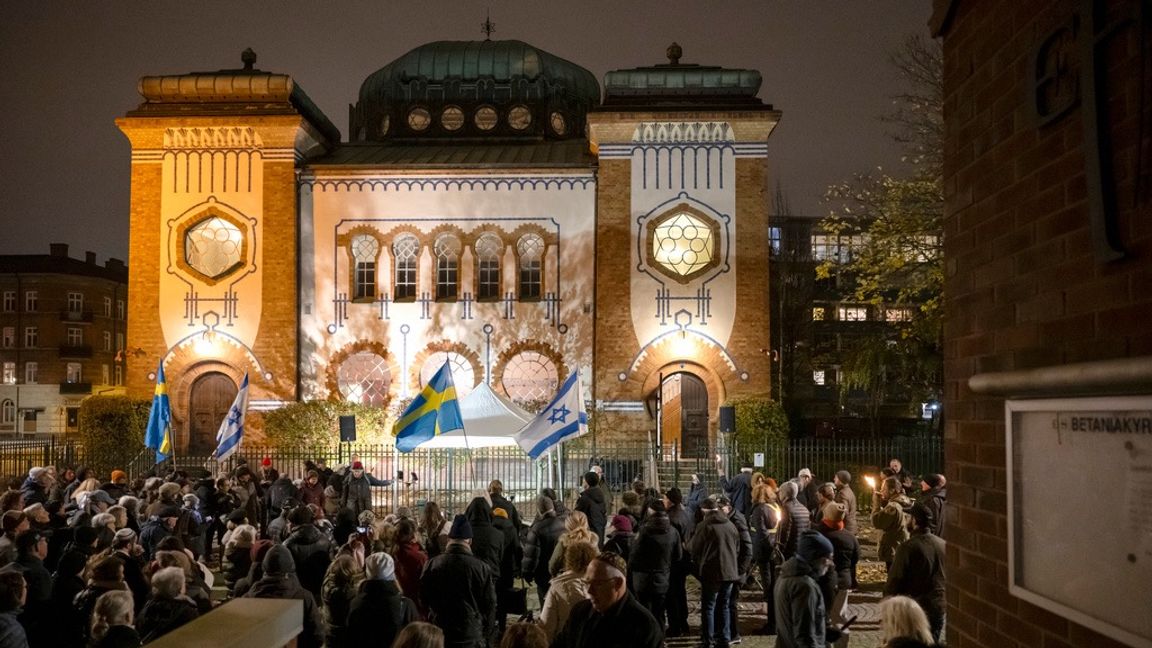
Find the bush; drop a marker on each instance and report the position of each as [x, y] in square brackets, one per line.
[313, 425]
[112, 429]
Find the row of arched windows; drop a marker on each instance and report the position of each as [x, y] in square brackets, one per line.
[447, 250]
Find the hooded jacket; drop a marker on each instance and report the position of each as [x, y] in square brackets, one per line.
[163, 615]
[715, 548]
[512, 556]
[311, 553]
[935, 500]
[795, 519]
[279, 582]
[800, 614]
[739, 491]
[488, 543]
[892, 523]
[378, 613]
[460, 591]
[654, 550]
[592, 504]
[337, 596]
[539, 543]
[565, 592]
[410, 562]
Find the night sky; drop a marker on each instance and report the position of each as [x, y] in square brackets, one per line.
[70, 68]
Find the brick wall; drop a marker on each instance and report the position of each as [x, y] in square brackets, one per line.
[1022, 287]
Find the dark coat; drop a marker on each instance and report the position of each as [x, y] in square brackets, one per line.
[410, 563]
[620, 544]
[846, 497]
[281, 490]
[625, 624]
[539, 543]
[800, 613]
[11, 632]
[120, 636]
[794, 521]
[654, 550]
[134, 578]
[153, 531]
[34, 493]
[764, 520]
[460, 591]
[237, 562]
[287, 587]
[69, 624]
[488, 543]
[312, 494]
[85, 601]
[846, 554]
[378, 613]
[312, 553]
[739, 491]
[499, 501]
[356, 494]
[696, 494]
[744, 556]
[592, 504]
[935, 500]
[682, 520]
[918, 572]
[277, 529]
[715, 547]
[163, 615]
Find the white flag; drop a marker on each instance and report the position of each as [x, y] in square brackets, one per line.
[564, 418]
[232, 429]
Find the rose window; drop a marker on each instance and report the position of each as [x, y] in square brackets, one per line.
[463, 375]
[364, 378]
[684, 244]
[530, 376]
[213, 247]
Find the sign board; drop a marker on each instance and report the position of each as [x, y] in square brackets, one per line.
[758, 460]
[1080, 510]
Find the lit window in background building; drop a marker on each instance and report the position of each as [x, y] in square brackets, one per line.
[489, 248]
[74, 372]
[818, 377]
[818, 314]
[898, 314]
[852, 313]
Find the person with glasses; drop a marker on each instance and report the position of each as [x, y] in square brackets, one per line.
[611, 616]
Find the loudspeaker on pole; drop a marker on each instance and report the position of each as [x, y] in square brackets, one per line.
[348, 429]
[727, 419]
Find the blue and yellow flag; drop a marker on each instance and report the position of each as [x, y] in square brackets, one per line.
[434, 411]
[158, 436]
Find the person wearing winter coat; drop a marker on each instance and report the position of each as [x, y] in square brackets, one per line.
[247, 495]
[107, 575]
[801, 620]
[12, 595]
[739, 488]
[168, 608]
[539, 543]
[918, 569]
[557, 502]
[845, 556]
[510, 560]
[379, 612]
[311, 550]
[433, 530]
[158, 527]
[410, 562]
[568, 589]
[488, 543]
[697, 493]
[715, 547]
[845, 496]
[112, 619]
[356, 493]
[743, 563]
[496, 494]
[619, 536]
[889, 518]
[37, 486]
[575, 530]
[341, 586]
[763, 522]
[656, 547]
[795, 519]
[592, 504]
[67, 582]
[277, 529]
[611, 616]
[312, 490]
[677, 600]
[128, 552]
[281, 491]
[237, 559]
[460, 591]
[934, 496]
[279, 582]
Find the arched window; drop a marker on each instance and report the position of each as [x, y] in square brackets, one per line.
[463, 374]
[530, 249]
[447, 249]
[489, 248]
[364, 378]
[365, 249]
[530, 376]
[406, 252]
[7, 413]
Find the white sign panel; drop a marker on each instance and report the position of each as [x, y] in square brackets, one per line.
[1080, 511]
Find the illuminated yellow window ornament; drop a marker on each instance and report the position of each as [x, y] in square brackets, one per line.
[213, 247]
[684, 244]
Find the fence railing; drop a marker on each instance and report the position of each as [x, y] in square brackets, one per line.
[453, 477]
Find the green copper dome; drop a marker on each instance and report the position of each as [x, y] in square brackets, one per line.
[454, 89]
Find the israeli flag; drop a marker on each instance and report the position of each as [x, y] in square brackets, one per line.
[232, 429]
[564, 418]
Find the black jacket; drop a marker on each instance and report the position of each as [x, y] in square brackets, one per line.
[153, 531]
[134, 578]
[739, 491]
[794, 521]
[801, 621]
[282, 489]
[513, 553]
[626, 624]
[744, 555]
[163, 615]
[715, 547]
[85, 601]
[460, 591]
[69, 624]
[654, 550]
[378, 613]
[918, 572]
[591, 504]
[539, 543]
[287, 587]
[120, 636]
[764, 520]
[499, 501]
[846, 554]
[934, 500]
[311, 552]
[488, 543]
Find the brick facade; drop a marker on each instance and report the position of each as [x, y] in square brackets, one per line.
[1023, 288]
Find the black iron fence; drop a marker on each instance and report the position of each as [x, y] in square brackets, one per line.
[451, 477]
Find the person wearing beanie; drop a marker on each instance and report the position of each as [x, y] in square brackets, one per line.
[279, 582]
[715, 547]
[356, 492]
[682, 521]
[801, 619]
[743, 564]
[918, 568]
[539, 543]
[37, 486]
[794, 518]
[611, 616]
[845, 556]
[619, 535]
[510, 561]
[311, 549]
[739, 488]
[846, 496]
[934, 496]
[593, 505]
[460, 591]
[656, 547]
[379, 612]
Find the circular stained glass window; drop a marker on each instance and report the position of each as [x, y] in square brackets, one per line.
[419, 119]
[463, 376]
[683, 244]
[452, 118]
[520, 117]
[558, 123]
[364, 378]
[486, 118]
[213, 247]
[530, 376]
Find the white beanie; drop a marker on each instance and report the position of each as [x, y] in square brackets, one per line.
[380, 566]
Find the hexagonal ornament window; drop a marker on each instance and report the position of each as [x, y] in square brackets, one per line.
[684, 244]
[214, 247]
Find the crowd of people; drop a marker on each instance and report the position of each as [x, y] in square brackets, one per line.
[86, 560]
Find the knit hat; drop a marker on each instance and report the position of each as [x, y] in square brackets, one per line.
[237, 516]
[787, 491]
[813, 546]
[657, 506]
[300, 516]
[935, 480]
[844, 476]
[675, 496]
[834, 512]
[380, 566]
[356, 465]
[461, 528]
[118, 475]
[545, 505]
[622, 523]
[278, 561]
[266, 461]
[804, 472]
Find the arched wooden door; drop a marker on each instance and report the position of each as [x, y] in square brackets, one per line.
[212, 396]
[685, 413]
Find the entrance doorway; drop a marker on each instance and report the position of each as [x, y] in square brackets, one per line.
[212, 396]
[684, 413]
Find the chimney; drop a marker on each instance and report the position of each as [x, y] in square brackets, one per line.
[58, 250]
[90, 258]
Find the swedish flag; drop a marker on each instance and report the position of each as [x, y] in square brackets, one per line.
[158, 436]
[434, 411]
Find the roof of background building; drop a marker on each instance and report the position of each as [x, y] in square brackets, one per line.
[113, 270]
[548, 154]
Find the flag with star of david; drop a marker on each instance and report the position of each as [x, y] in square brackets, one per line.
[232, 429]
[564, 418]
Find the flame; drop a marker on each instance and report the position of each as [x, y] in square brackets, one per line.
[871, 481]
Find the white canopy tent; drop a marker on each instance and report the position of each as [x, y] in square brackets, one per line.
[490, 420]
